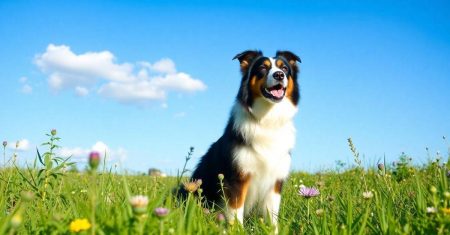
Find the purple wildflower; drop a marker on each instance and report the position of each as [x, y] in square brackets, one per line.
[161, 212]
[94, 160]
[308, 192]
[220, 217]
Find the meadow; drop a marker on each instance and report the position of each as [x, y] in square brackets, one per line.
[48, 197]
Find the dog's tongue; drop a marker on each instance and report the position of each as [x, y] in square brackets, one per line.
[277, 92]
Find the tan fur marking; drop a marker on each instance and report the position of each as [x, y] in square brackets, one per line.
[267, 63]
[279, 63]
[255, 86]
[237, 198]
[290, 87]
[278, 186]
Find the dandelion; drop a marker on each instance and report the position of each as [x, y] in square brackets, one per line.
[161, 212]
[308, 192]
[446, 211]
[139, 204]
[16, 220]
[431, 210]
[94, 160]
[79, 225]
[367, 195]
[192, 186]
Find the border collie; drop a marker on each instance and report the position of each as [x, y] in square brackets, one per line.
[253, 153]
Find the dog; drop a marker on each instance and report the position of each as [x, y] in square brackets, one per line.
[254, 153]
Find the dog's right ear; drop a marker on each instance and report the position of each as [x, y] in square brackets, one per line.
[246, 58]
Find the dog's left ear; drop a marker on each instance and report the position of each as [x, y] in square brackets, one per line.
[246, 58]
[291, 57]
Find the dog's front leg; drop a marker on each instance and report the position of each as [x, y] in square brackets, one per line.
[272, 203]
[236, 193]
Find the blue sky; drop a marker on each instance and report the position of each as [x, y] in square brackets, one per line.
[149, 79]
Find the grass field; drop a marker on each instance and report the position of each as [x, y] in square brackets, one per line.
[46, 198]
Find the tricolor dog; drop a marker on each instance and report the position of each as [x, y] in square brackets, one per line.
[254, 152]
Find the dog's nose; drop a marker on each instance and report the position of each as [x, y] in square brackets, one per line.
[278, 75]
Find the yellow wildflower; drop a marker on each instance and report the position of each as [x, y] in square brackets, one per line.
[446, 211]
[79, 225]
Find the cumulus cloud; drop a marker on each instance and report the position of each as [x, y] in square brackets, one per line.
[81, 154]
[124, 82]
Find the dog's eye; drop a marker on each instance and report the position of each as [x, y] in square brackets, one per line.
[285, 68]
[262, 68]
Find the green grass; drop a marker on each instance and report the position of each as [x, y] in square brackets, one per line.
[45, 199]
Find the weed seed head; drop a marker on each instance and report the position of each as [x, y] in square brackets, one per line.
[380, 166]
[53, 132]
[220, 176]
[5, 143]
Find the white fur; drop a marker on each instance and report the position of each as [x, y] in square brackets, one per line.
[270, 80]
[269, 130]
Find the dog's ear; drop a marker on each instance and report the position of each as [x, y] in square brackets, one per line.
[290, 57]
[246, 58]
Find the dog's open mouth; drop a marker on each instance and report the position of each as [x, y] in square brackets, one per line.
[275, 93]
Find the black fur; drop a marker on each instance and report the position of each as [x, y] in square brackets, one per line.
[219, 159]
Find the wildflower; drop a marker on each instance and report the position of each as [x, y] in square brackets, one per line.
[192, 186]
[5, 143]
[431, 210]
[53, 132]
[94, 160]
[206, 211]
[380, 166]
[161, 212]
[220, 176]
[447, 195]
[433, 190]
[367, 195]
[308, 192]
[79, 225]
[446, 211]
[16, 220]
[220, 217]
[139, 204]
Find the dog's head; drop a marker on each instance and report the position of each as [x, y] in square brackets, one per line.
[272, 79]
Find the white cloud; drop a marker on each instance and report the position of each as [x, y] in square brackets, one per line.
[81, 154]
[26, 88]
[180, 115]
[20, 145]
[81, 91]
[98, 71]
